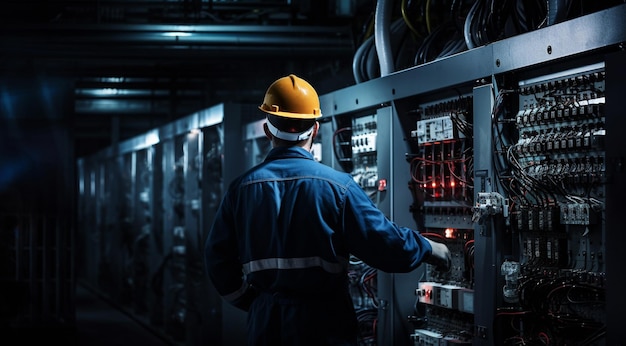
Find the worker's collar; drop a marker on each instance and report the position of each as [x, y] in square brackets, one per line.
[289, 152]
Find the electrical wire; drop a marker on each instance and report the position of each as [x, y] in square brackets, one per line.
[434, 235]
[339, 154]
[405, 17]
[557, 309]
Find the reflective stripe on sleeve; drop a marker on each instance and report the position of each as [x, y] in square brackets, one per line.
[295, 263]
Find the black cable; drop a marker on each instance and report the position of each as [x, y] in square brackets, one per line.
[345, 162]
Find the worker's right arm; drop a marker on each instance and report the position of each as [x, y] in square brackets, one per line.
[383, 244]
[440, 256]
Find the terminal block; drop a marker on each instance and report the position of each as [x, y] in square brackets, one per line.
[435, 130]
[577, 214]
[446, 296]
[490, 203]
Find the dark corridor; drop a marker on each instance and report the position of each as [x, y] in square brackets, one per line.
[98, 323]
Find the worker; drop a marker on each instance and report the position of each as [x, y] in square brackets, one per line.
[280, 243]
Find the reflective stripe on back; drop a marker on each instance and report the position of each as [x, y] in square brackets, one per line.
[295, 263]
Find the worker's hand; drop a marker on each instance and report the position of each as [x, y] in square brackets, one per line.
[440, 256]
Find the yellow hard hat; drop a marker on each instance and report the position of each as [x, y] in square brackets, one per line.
[292, 97]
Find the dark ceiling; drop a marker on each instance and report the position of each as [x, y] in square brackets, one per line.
[134, 65]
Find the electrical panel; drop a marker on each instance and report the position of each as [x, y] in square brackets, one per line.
[539, 220]
[551, 167]
[150, 203]
[257, 145]
[354, 142]
[441, 171]
[513, 165]
[363, 147]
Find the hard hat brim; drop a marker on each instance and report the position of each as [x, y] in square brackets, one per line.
[291, 115]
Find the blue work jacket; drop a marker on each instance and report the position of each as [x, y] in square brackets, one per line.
[287, 227]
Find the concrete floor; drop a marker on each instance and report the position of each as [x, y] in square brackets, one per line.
[98, 323]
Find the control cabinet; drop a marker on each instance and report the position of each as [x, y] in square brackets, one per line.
[516, 165]
[147, 206]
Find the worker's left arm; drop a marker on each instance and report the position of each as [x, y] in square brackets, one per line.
[221, 258]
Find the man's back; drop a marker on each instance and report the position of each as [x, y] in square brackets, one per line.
[288, 212]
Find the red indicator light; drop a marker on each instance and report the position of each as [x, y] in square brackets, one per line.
[382, 185]
[449, 233]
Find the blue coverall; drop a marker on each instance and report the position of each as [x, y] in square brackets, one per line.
[280, 243]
